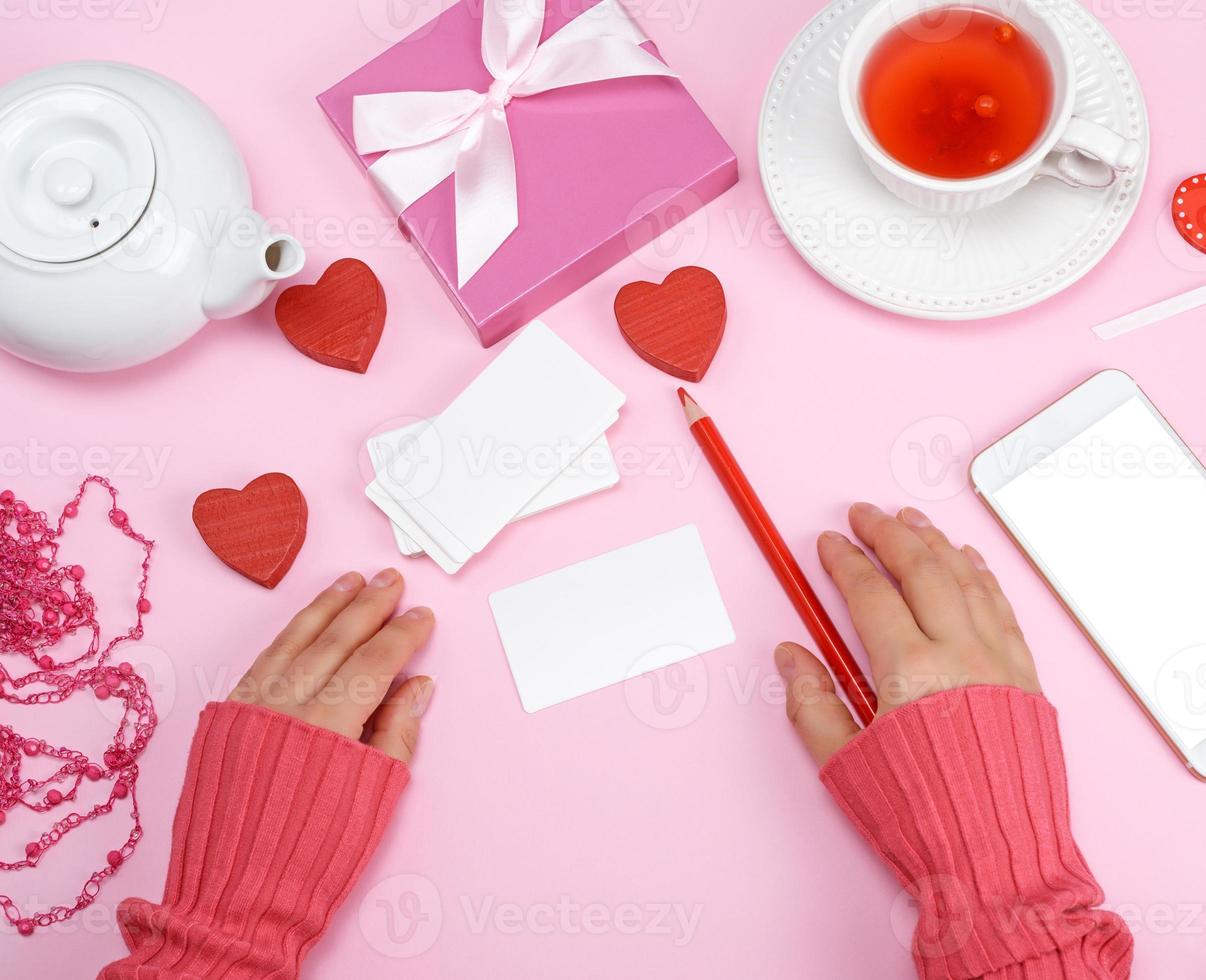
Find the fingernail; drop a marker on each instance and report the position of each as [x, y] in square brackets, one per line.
[785, 661]
[865, 508]
[346, 582]
[422, 698]
[977, 559]
[387, 576]
[915, 518]
[832, 536]
[417, 614]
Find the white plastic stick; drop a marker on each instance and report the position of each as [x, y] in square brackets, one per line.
[1152, 314]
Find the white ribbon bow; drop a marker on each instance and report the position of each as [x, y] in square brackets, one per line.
[430, 135]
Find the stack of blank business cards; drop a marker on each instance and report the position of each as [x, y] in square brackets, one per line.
[525, 436]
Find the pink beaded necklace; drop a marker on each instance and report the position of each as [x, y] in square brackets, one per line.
[42, 602]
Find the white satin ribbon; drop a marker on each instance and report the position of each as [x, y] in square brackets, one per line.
[429, 135]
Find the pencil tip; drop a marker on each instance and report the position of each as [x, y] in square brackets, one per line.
[690, 407]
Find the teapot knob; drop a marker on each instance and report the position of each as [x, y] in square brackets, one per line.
[68, 181]
[88, 159]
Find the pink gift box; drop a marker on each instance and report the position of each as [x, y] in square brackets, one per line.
[601, 169]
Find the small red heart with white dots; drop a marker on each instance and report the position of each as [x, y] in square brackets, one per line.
[1189, 211]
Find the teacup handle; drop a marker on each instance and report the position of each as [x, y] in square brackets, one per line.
[1090, 155]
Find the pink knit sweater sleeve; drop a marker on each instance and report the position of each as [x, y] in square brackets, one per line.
[275, 823]
[964, 796]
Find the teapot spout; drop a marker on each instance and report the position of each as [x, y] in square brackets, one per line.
[249, 261]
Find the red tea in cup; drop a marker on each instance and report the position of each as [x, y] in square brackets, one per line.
[956, 93]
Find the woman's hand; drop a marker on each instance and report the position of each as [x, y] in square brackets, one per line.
[947, 625]
[336, 662]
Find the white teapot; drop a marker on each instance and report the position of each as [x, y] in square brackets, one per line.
[125, 219]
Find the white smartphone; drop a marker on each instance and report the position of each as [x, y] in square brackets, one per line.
[1109, 504]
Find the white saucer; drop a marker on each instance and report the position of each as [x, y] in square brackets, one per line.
[879, 249]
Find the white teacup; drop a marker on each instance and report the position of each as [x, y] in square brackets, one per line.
[1075, 150]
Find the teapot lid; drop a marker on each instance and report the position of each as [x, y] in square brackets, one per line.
[77, 169]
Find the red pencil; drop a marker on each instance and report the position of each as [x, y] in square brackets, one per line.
[849, 677]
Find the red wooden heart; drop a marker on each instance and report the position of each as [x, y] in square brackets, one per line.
[338, 320]
[676, 326]
[258, 530]
[1189, 210]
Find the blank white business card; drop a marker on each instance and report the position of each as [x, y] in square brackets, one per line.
[593, 471]
[502, 440]
[615, 616]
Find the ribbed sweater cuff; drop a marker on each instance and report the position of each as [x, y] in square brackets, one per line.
[964, 795]
[275, 823]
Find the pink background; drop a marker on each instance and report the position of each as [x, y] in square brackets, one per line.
[603, 806]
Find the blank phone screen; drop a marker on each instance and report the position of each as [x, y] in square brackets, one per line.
[1116, 518]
